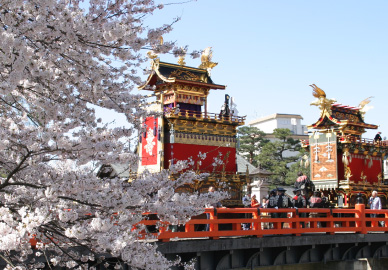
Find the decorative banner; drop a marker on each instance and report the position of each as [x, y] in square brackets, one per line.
[149, 142]
[323, 152]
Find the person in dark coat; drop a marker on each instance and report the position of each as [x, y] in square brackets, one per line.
[299, 201]
[272, 203]
[303, 183]
[378, 138]
[283, 202]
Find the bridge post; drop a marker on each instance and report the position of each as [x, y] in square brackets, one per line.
[330, 223]
[189, 227]
[213, 227]
[360, 217]
[385, 222]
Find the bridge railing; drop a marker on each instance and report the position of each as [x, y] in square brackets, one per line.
[227, 222]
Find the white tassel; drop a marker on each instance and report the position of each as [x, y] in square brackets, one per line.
[307, 163]
[345, 160]
[370, 163]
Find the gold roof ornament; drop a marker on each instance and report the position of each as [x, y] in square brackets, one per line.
[363, 107]
[181, 58]
[347, 120]
[151, 54]
[206, 58]
[322, 102]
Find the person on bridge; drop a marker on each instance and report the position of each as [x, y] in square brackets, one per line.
[272, 203]
[302, 183]
[283, 201]
[264, 202]
[254, 202]
[375, 203]
[299, 201]
[315, 201]
[325, 200]
[246, 201]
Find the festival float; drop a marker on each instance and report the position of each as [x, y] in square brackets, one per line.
[343, 164]
[179, 127]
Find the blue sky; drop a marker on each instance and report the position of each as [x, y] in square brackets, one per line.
[269, 52]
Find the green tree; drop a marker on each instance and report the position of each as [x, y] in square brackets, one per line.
[300, 166]
[252, 140]
[278, 155]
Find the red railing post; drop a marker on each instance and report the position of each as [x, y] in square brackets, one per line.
[374, 223]
[189, 227]
[296, 223]
[385, 222]
[212, 226]
[330, 221]
[162, 233]
[360, 218]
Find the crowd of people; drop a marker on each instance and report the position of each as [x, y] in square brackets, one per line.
[277, 199]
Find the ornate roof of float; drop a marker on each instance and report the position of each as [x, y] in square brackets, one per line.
[162, 72]
[338, 117]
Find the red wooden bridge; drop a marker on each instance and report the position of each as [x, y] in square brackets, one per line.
[324, 220]
[338, 238]
[332, 238]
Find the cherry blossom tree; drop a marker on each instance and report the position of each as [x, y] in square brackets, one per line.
[59, 60]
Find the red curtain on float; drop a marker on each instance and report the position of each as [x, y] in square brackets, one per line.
[359, 164]
[180, 151]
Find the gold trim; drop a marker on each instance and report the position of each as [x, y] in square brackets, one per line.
[209, 141]
[155, 66]
[141, 87]
[185, 74]
[178, 66]
[155, 69]
[200, 126]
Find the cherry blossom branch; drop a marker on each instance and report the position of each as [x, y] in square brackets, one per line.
[15, 170]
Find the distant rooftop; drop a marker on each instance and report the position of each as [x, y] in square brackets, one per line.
[274, 116]
[242, 165]
[260, 171]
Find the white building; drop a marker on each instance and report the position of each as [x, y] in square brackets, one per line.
[280, 120]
